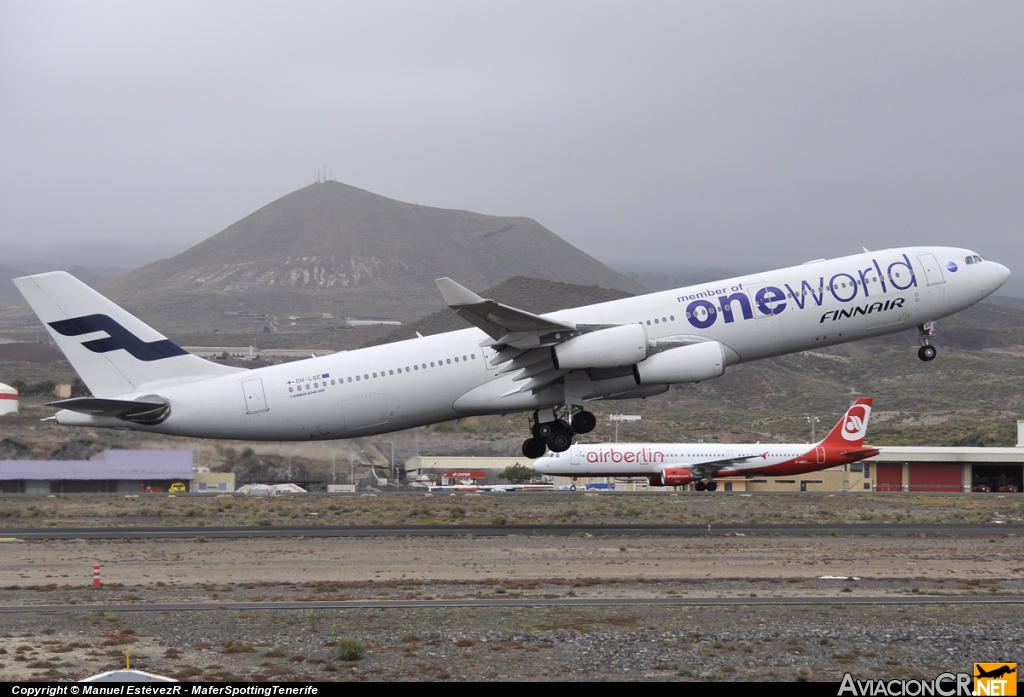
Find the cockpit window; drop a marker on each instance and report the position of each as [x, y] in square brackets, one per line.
[977, 259]
[969, 260]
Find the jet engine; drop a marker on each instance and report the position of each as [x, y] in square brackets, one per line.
[673, 476]
[691, 363]
[606, 348]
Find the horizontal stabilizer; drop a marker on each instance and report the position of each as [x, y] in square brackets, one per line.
[861, 454]
[151, 410]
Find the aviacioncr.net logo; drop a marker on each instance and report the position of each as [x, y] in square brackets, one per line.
[856, 422]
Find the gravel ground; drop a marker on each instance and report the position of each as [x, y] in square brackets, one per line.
[656, 643]
[624, 643]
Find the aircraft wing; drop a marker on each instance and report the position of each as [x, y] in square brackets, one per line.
[502, 323]
[715, 465]
[516, 335]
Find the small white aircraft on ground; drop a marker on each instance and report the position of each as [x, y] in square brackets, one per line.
[677, 464]
[511, 361]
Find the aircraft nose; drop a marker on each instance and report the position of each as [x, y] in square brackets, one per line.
[541, 465]
[1001, 274]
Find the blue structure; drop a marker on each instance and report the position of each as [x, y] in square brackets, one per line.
[115, 471]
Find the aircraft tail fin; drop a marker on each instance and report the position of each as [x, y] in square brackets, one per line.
[849, 432]
[113, 352]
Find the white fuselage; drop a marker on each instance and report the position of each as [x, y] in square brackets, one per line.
[649, 459]
[447, 376]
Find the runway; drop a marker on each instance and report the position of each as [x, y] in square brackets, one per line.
[667, 530]
[515, 603]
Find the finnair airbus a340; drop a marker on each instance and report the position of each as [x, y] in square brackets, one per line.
[511, 361]
[677, 464]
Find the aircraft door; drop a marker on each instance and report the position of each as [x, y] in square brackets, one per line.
[820, 455]
[932, 270]
[255, 397]
[574, 456]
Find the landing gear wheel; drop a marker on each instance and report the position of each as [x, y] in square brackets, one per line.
[543, 430]
[572, 487]
[926, 353]
[699, 486]
[559, 441]
[533, 448]
[711, 486]
[584, 422]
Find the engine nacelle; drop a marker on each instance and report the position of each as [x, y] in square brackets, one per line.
[614, 347]
[691, 363]
[673, 476]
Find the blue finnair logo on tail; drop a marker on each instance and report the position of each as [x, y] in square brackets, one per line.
[118, 338]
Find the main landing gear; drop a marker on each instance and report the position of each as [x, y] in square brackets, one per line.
[924, 333]
[705, 486]
[551, 431]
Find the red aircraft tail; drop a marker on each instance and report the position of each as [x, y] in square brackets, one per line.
[848, 434]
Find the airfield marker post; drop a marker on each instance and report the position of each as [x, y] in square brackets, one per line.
[96, 575]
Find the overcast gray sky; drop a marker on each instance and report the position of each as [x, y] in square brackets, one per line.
[738, 134]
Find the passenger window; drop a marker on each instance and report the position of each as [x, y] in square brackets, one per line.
[332, 382]
[672, 317]
[655, 320]
[391, 372]
[424, 366]
[463, 358]
[291, 389]
[431, 364]
[365, 377]
[456, 359]
[449, 361]
[648, 323]
[472, 356]
[375, 375]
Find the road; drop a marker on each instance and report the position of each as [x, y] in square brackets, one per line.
[256, 531]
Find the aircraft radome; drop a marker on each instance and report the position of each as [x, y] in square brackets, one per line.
[677, 464]
[510, 361]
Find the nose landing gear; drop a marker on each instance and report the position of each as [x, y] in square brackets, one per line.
[925, 332]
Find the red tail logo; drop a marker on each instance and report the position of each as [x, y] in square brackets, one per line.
[854, 424]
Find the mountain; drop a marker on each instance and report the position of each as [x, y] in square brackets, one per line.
[333, 248]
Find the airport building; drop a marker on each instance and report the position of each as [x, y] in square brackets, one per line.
[112, 471]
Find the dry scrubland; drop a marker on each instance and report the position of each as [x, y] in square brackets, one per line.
[82, 510]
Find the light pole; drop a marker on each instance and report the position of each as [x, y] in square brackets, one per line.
[352, 468]
[334, 466]
[621, 417]
[393, 476]
[812, 420]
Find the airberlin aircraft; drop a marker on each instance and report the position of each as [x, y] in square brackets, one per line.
[509, 361]
[677, 464]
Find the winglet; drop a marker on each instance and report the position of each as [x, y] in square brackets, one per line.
[456, 295]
